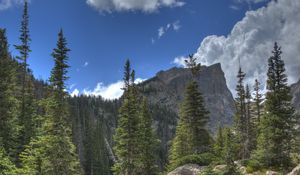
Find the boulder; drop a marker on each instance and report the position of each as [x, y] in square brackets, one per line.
[296, 171]
[272, 173]
[219, 168]
[188, 169]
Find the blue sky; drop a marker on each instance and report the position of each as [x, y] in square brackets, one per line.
[102, 39]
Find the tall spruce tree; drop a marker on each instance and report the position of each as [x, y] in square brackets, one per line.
[277, 124]
[8, 100]
[147, 143]
[240, 116]
[27, 108]
[126, 135]
[53, 152]
[257, 100]
[191, 135]
[250, 125]
[229, 153]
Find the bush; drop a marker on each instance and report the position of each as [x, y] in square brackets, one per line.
[209, 171]
[253, 165]
[200, 159]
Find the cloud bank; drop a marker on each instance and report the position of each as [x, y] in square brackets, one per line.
[251, 40]
[147, 6]
[110, 92]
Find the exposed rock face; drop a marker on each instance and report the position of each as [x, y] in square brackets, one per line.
[165, 92]
[188, 169]
[295, 171]
[167, 88]
[295, 91]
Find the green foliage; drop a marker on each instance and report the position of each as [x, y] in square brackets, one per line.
[26, 93]
[148, 143]
[253, 165]
[203, 159]
[191, 136]
[6, 166]
[277, 125]
[8, 101]
[60, 55]
[219, 144]
[127, 132]
[209, 171]
[229, 149]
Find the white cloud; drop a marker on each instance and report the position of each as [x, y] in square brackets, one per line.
[161, 32]
[164, 29]
[6, 4]
[75, 93]
[111, 91]
[252, 40]
[147, 6]
[176, 25]
[85, 64]
[179, 61]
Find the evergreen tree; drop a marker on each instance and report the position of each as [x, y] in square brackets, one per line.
[27, 111]
[191, 135]
[53, 152]
[126, 135]
[240, 116]
[219, 144]
[8, 100]
[147, 142]
[277, 125]
[257, 100]
[229, 151]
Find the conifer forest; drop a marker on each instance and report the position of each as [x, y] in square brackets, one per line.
[182, 121]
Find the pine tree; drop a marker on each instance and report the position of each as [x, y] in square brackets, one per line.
[147, 142]
[27, 111]
[257, 100]
[8, 100]
[229, 151]
[240, 116]
[277, 124]
[53, 152]
[126, 135]
[219, 144]
[191, 135]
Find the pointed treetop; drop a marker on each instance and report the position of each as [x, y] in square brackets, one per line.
[193, 65]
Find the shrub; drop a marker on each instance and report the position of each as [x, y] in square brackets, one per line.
[200, 159]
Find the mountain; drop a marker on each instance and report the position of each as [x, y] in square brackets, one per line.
[167, 89]
[165, 92]
[295, 91]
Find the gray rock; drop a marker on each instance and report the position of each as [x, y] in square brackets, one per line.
[167, 88]
[188, 169]
[295, 91]
[295, 171]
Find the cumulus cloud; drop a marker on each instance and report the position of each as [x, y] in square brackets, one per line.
[251, 40]
[6, 4]
[111, 91]
[147, 6]
[75, 93]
